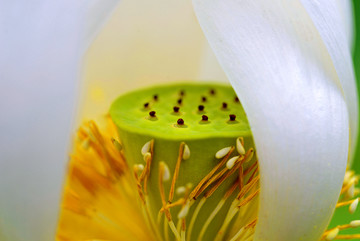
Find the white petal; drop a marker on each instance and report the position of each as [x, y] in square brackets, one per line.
[330, 23]
[347, 14]
[284, 76]
[41, 46]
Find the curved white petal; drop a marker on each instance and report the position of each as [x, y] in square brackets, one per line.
[332, 26]
[280, 68]
[41, 45]
[346, 9]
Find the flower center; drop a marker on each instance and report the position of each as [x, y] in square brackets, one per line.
[150, 178]
[194, 172]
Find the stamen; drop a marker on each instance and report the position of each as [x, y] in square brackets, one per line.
[230, 163]
[249, 198]
[210, 174]
[146, 105]
[355, 223]
[223, 152]
[117, 144]
[166, 174]
[216, 210]
[201, 107]
[180, 190]
[352, 181]
[241, 177]
[179, 101]
[186, 154]
[147, 156]
[176, 109]
[353, 206]
[240, 145]
[176, 172]
[194, 216]
[204, 118]
[139, 167]
[184, 211]
[145, 148]
[156, 97]
[341, 204]
[332, 234]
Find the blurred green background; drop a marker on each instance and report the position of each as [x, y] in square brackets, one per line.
[342, 215]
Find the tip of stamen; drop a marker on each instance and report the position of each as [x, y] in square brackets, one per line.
[353, 206]
[139, 167]
[184, 211]
[147, 155]
[186, 154]
[239, 146]
[201, 107]
[166, 175]
[176, 109]
[180, 190]
[146, 148]
[230, 163]
[332, 234]
[355, 223]
[221, 153]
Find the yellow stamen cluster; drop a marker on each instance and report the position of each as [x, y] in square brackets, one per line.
[348, 192]
[104, 199]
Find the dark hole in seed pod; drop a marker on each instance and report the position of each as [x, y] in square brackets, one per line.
[224, 105]
[212, 92]
[232, 117]
[182, 92]
[205, 117]
[180, 121]
[203, 99]
[152, 113]
[146, 105]
[179, 101]
[156, 97]
[201, 107]
[176, 109]
[237, 99]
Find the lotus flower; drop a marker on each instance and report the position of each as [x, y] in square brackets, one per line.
[288, 61]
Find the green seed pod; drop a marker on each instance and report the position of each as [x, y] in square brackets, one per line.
[189, 150]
